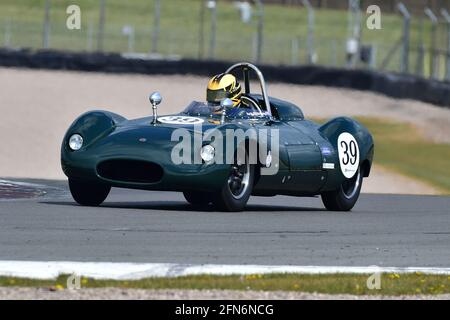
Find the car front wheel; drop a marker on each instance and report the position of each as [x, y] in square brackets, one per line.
[88, 193]
[345, 197]
[198, 198]
[235, 193]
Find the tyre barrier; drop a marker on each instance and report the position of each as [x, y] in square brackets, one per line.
[394, 85]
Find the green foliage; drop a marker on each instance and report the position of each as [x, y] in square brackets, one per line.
[401, 147]
[391, 284]
[180, 30]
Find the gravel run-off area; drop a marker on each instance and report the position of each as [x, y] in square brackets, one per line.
[17, 293]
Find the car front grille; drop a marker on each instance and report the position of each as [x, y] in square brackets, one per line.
[130, 171]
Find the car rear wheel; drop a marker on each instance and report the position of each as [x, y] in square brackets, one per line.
[235, 193]
[88, 193]
[344, 198]
[198, 198]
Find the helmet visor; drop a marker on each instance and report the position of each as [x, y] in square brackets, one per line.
[216, 95]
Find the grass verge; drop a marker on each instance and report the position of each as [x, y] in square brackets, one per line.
[402, 148]
[391, 284]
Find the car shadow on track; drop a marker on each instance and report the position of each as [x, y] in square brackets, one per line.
[183, 206]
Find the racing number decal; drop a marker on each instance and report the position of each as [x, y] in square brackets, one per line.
[348, 154]
[180, 120]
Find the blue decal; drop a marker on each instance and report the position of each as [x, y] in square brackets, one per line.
[326, 151]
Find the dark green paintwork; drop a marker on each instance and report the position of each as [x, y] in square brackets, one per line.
[110, 136]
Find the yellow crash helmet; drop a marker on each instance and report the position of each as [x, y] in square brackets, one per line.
[223, 86]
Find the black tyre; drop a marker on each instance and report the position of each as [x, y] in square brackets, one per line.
[237, 190]
[344, 198]
[88, 193]
[198, 198]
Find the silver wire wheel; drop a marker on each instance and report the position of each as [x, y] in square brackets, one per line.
[237, 188]
[238, 181]
[351, 186]
[346, 195]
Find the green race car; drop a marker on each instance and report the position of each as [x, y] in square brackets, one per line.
[219, 154]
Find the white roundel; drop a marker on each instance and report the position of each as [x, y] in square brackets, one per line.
[180, 120]
[348, 154]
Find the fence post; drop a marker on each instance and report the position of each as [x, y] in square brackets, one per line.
[259, 36]
[201, 30]
[446, 16]
[434, 23]
[46, 29]
[373, 60]
[212, 44]
[354, 31]
[89, 35]
[420, 50]
[310, 37]
[333, 52]
[294, 51]
[128, 31]
[404, 66]
[156, 23]
[254, 47]
[101, 26]
[7, 35]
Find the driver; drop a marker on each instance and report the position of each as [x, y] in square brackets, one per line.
[224, 86]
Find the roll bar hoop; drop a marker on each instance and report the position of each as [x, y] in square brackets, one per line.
[246, 67]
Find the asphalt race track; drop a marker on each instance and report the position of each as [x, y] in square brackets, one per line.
[137, 226]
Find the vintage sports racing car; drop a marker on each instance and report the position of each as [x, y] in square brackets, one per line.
[102, 150]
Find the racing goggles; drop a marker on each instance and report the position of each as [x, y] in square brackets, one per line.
[220, 94]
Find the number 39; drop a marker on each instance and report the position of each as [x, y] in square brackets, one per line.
[350, 152]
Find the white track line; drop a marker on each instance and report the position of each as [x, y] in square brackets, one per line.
[131, 271]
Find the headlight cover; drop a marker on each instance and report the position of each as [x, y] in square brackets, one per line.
[207, 153]
[75, 142]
